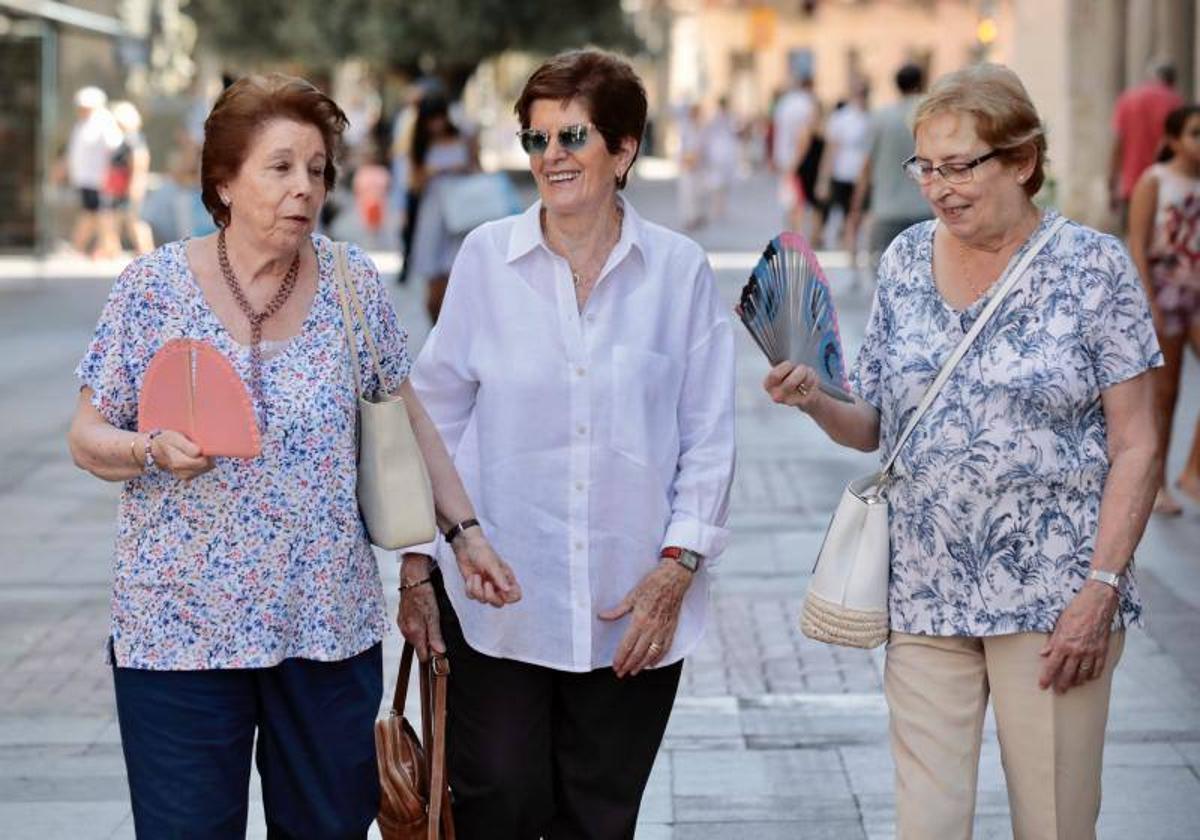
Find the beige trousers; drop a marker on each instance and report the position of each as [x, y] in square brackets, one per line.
[1051, 745]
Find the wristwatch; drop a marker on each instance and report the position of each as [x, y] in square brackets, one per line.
[685, 557]
[1107, 578]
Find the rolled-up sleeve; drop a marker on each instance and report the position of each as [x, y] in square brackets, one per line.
[105, 367]
[700, 493]
[441, 375]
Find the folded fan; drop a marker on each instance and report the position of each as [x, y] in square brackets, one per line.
[788, 308]
[190, 388]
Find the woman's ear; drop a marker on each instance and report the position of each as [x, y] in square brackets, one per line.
[628, 151]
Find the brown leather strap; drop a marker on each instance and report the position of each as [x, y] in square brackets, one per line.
[438, 670]
[401, 694]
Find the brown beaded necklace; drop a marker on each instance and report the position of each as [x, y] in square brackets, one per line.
[256, 319]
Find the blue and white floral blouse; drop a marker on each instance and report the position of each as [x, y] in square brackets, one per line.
[256, 560]
[996, 500]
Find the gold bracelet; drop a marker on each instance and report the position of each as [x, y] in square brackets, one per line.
[134, 454]
[404, 587]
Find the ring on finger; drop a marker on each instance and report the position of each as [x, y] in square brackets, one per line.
[803, 389]
[1085, 667]
[655, 647]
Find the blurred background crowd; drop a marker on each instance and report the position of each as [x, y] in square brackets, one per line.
[103, 104]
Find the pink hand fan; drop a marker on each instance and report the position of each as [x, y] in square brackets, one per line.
[192, 389]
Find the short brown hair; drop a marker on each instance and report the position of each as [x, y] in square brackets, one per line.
[604, 82]
[1005, 117]
[246, 106]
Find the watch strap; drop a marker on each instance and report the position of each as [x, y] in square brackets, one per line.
[453, 533]
[1107, 578]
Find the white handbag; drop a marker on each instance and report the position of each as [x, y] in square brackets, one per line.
[395, 497]
[847, 599]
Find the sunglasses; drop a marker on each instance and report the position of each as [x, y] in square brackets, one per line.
[572, 138]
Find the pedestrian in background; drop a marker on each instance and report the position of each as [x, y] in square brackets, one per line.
[94, 137]
[582, 375]
[247, 609]
[125, 186]
[690, 183]
[896, 202]
[1017, 503]
[371, 186]
[438, 153]
[722, 156]
[794, 123]
[1164, 239]
[847, 134]
[1138, 118]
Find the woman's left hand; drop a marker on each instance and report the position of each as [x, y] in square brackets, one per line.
[1078, 648]
[655, 603]
[488, 579]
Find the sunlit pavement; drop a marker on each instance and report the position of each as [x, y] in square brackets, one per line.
[772, 736]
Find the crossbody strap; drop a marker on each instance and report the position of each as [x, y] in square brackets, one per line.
[349, 297]
[1010, 278]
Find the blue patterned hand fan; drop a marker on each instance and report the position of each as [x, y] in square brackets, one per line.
[788, 309]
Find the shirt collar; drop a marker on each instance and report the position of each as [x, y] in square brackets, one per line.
[527, 235]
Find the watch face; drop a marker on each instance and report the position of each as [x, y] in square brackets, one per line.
[690, 560]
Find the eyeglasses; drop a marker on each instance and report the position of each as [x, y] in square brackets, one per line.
[954, 173]
[572, 138]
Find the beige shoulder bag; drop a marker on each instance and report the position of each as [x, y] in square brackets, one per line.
[394, 494]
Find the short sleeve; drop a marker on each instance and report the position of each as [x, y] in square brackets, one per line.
[867, 377]
[1118, 329]
[106, 367]
[390, 338]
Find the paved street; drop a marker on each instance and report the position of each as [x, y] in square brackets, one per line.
[773, 736]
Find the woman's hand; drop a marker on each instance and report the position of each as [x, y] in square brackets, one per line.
[655, 603]
[418, 617]
[791, 384]
[1078, 648]
[180, 457]
[489, 579]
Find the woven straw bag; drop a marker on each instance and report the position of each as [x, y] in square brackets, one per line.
[414, 802]
[847, 599]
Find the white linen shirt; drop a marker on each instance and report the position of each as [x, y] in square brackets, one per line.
[587, 441]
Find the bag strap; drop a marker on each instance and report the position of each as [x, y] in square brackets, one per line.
[1011, 275]
[437, 670]
[349, 297]
[401, 694]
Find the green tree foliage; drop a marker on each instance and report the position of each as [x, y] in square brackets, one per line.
[449, 36]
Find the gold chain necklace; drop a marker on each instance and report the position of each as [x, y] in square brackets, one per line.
[576, 277]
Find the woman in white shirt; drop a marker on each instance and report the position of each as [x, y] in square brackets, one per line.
[582, 376]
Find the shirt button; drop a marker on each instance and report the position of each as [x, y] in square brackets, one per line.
[579, 546]
[580, 371]
[579, 486]
[591, 318]
[582, 430]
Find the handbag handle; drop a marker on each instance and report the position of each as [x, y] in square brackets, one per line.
[1011, 275]
[434, 676]
[348, 296]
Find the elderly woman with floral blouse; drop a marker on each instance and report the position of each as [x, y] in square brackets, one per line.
[1018, 501]
[247, 609]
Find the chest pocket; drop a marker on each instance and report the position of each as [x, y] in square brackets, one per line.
[645, 402]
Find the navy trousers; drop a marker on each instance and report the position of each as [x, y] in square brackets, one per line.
[188, 737]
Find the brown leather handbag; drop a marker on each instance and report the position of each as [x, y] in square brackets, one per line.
[414, 794]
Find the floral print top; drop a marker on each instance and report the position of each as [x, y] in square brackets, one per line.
[257, 560]
[996, 498]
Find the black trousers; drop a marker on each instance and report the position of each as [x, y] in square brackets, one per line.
[536, 752]
[188, 737]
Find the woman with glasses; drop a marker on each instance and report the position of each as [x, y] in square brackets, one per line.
[1016, 505]
[582, 375]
